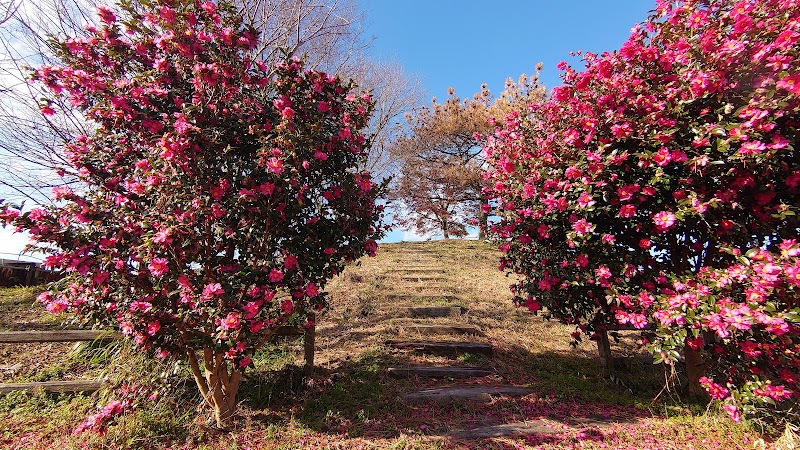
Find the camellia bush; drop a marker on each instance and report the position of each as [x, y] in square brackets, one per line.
[218, 196]
[646, 169]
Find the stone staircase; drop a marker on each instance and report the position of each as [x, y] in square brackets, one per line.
[427, 334]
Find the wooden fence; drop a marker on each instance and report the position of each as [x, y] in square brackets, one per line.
[18, 337]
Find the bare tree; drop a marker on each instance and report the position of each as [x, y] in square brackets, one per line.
[30, 141]
[329, 34]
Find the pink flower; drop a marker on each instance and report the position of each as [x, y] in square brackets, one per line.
[287, 306]
[158, 267]
[153, 327]
[603, 272]
[312, 290]
[275, 165]
[251, 308]
[582, 261]
[583, 227]
[290, 262]
[585, 200]
[790, 83]
[733, 412]
[715, 390]
[211, 290]
[664, 220]
[275, 275]
[162, 237]
[244, 362]
[627, 211]
[287, 113]
[106, 15]
[231, 322]
[323, 107]
[57, 306]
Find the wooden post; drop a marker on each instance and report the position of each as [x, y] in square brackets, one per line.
[308, 344]
[29, 275]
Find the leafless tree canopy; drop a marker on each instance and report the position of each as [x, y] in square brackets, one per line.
[329, 34]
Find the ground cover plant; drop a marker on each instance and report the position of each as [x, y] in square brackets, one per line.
[217, 196]
[350, 401]
[658, 187]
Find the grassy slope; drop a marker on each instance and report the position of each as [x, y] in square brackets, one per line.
[351, 403]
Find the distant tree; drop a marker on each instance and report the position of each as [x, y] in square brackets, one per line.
[438, 186]
[440, 181]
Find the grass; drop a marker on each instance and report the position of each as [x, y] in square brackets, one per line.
[350, 402]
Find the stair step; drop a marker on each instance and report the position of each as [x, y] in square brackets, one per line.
[511, 429]
[537, 426]
[423, 297]
[433, 311]
[438, 371]
[436, 328]
[468, 393]
[443, 347]
[420, 270]
[422, 278]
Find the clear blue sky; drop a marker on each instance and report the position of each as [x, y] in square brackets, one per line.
[466, 43]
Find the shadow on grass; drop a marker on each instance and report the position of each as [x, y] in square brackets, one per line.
[360, 400]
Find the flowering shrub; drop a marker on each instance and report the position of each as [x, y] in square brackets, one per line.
[650, 162]
[752, 308]
[220, 196]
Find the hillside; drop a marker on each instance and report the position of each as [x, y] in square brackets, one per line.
[387, 375]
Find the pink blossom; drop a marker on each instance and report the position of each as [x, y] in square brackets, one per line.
[275, 165]
[664, 220]
[153, 328]
[275, 275]
[211, 290]
[627, 211]
[312, 290]
[583, 227]
[159, 267]
[231, 322]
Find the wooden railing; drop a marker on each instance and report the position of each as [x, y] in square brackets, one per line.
[18, 337]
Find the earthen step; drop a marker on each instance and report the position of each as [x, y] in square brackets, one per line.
[511, 429]
[467, 393]
[422, 278]
[438, 371]
[537, 426]
[436, 328]
[443, 347]
[433, 311]
[420, 270]
[423, 297]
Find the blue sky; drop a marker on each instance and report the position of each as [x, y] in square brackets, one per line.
[466, 43]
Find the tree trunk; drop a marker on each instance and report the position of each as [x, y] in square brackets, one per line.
[604, 349]
[217, 384]
[483, 221]
[695, 369]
